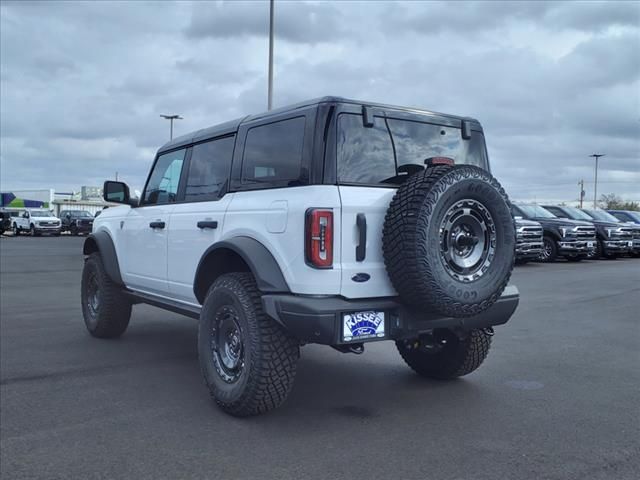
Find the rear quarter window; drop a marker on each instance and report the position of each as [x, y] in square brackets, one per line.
[273, 153]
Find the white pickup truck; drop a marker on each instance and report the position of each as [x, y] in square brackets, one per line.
[36, 222]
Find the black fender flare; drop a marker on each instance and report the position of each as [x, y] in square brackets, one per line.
[263, 265]
[102, 242]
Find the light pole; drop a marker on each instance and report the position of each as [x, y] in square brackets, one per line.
[270, 85]
[595, 183]
[171, 118]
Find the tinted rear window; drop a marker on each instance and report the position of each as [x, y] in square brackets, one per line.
[376, 155]
[273, 152]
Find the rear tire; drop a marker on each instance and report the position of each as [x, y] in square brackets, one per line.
[549, 250]
[247, 359]
[105, 308]
[457, 357]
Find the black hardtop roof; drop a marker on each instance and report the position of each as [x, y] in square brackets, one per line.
[232, 126]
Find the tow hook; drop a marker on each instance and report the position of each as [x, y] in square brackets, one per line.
[357, 348]
[489, 331]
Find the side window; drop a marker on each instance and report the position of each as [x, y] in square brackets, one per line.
[163, 184]
[273, 153]
[209, 169]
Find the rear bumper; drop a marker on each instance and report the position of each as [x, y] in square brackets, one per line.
[319, 319]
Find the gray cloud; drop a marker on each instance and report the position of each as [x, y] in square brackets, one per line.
[82, 84]
[295, 22]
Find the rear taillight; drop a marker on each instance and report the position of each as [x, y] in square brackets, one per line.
[319, 238]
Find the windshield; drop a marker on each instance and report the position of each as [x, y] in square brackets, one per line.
[81, 213]
[602, 215]
[536, 211]
[634, 215]
[40, 213]
[393, 148]
[576, 214]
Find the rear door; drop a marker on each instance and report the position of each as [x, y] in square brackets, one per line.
[197, 220]
[373, 156]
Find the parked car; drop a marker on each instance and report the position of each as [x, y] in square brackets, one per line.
[301, 225]
[76, 222]
[36, 222]
[615, 238]
[571, 239]
[529, 240]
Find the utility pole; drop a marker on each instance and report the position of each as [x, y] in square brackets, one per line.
[171, 118]
[581, 184]
[116, 176]
[595, 184]
[270, 85]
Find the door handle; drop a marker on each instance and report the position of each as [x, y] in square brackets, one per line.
[157, 224]
[207, 224]
[361, 249]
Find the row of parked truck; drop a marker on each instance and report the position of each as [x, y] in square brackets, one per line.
[38, 221]
[544, 232]
[548, 232]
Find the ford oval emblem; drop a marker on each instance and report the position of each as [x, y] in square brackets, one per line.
[361, 277]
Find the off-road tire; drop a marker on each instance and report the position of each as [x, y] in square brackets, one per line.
[111, 317]
[459, 357]
[411, 242]
[549, 241]
[270, 355]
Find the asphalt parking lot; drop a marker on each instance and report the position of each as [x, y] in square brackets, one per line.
[557, 398]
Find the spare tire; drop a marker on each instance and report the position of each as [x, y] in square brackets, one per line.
[449, 240]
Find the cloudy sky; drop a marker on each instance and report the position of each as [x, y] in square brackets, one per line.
[83, 84]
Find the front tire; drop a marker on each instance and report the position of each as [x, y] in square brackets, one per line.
[549, 250]
[450, 356]
[105, 308]
[15, 230]
[247, 359]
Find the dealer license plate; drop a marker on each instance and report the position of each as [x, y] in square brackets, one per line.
[359, 326]
[591, 244]
[630, 244]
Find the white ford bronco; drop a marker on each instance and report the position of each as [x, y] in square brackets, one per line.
[332, 221]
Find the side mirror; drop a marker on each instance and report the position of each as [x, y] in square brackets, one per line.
[116, 192]
[25, 214]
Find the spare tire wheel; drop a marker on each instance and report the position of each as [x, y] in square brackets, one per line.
[449, 240]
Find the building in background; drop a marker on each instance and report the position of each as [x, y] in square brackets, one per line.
[89, 198]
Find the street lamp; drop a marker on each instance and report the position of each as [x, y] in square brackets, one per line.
[270, 80]
[595, 184]
[171, 118]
